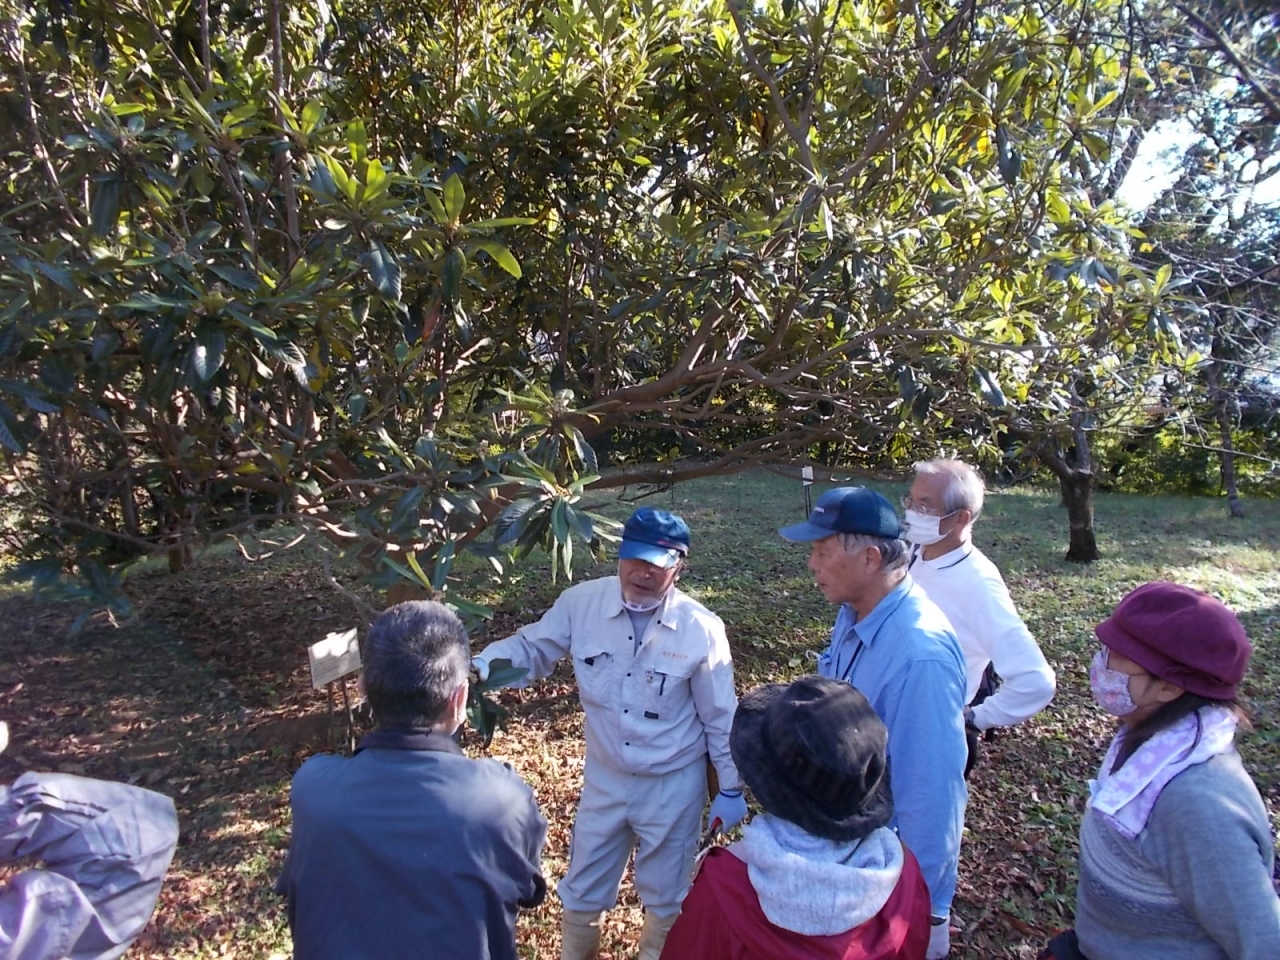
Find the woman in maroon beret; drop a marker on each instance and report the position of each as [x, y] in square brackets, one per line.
[1176, 854]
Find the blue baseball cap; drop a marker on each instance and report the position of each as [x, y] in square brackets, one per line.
[847, 510]
[654, 536]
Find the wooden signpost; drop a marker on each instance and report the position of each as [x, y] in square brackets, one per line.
[332, 660]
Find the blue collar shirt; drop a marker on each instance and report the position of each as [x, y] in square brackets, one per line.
[905, 659]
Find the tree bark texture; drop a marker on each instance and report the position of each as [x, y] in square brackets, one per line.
[1227, 457]
[1077, 496]
[1074, 470]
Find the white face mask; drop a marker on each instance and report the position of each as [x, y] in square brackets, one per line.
[643, 607]
[922, 529]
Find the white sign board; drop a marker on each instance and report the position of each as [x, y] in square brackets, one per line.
[334, 657]
[806, 474]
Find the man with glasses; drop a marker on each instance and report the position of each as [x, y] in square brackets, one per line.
[944, 503]
[894, 645]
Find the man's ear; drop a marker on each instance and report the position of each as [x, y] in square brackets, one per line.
[872, 559]
[458, 701]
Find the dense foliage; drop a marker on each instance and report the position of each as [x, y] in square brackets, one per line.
[392, 272]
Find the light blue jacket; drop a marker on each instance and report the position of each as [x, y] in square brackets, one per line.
[905, 659]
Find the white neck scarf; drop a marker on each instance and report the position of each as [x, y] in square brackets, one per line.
[1127, 797]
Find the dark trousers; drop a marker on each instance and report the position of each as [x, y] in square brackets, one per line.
[1064, 946]
[990, 682]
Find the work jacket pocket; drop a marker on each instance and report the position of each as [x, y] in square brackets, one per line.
[667, 692]
[594, 669]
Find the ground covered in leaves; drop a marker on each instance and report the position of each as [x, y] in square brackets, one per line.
[206, 697]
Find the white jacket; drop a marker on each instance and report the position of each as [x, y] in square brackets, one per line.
[650, 710]
[968, 588]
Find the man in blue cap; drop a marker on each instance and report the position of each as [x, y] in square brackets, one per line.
[895, 646]
[655, 679]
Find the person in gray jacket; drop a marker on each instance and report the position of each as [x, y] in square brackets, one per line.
[1176, 853]
[103, 849]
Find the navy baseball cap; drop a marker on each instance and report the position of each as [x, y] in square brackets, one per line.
[654, 536]
[847, 510]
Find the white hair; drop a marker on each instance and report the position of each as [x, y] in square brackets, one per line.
[893, 552]
[963, 489]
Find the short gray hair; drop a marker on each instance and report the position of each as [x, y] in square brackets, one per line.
[415, 656]
[893, 552]
[963, 489]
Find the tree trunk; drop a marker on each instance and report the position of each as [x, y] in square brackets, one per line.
[1077, 496]
[1074, 469]
[1227, 456]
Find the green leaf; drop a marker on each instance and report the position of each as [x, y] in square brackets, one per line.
[499, 222]
[989, 387]
[452, 272]
[404, 517]
[437, 208]
[1009, 159]
[484, 715]
[511, 522]
[7, 437]
[559, 522]
[376, 180]
[444, 561]
[312, 115]
[586, 453]
[468, 610]
[418, 572]
[104, 208]
[287, 352]
[383, 269]
[208, 353]
[455, 198]
[241, 316]
[31, 394]
[242, 279]
[581, 524]
[502, 673]
[502, 256]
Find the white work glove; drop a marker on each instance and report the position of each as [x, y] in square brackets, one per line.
[480, 666]
[939, 939]
[729, 807]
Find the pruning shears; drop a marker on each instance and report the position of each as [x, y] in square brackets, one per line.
[709, 838]
[705, 844]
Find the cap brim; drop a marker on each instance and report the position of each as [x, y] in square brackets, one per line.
[803, 532]
[664, 557]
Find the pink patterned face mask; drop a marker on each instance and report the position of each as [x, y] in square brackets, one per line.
[1110, 687]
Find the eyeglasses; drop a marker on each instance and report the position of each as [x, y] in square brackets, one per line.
[916, 505]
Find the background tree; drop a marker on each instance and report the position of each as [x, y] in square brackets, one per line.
[1210, 229]
[391, 274]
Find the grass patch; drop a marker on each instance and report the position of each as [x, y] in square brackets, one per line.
[208, 698]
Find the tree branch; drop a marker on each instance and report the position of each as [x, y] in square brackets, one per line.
[1224, 46]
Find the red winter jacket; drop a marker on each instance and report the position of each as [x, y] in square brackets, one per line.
[722, 920]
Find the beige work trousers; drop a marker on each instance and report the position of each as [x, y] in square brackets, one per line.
[659, 815]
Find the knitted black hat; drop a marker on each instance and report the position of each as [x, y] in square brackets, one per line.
[813, 752]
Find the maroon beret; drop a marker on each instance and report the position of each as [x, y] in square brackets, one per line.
[1180, 635]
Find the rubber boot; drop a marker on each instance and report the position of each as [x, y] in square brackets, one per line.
[580, 935]
[654, 934]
